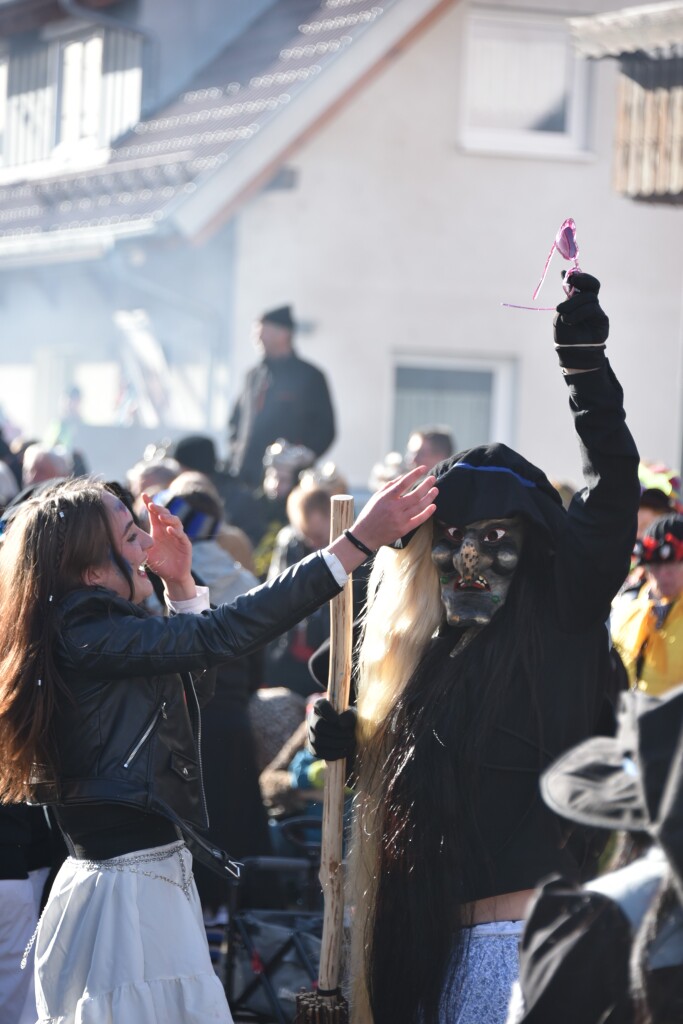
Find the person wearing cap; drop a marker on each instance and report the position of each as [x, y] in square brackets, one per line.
[243, 513]
[647, 625]
[611, 951]
[283, 397]
[660, 495]
[484, 656]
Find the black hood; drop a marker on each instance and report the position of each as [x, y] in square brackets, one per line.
[494, 482]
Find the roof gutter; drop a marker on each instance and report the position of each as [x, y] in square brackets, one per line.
[68, 245]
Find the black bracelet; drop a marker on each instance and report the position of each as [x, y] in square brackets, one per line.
[368, 552]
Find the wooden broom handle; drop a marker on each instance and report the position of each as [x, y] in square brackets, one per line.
[331, 852]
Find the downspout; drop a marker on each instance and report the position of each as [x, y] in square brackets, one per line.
[150, 39]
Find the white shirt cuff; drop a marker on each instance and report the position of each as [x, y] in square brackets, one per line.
[201, 602]
[336, 568]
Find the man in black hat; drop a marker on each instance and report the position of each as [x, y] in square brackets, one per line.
[283, 397]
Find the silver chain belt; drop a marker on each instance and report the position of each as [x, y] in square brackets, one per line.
[129, 862]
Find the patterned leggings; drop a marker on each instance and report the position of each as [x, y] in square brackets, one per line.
[487, 974]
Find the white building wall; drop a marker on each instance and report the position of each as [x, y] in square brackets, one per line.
[397, 242]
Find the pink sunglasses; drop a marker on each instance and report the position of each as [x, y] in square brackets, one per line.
[565, 243]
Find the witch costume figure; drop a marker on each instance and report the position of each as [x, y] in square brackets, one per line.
[484, 655]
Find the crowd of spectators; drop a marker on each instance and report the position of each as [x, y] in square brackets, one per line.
[245, 528]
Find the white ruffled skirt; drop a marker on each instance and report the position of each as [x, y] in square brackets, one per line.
[122, 941]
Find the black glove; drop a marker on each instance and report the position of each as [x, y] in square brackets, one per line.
[331, 736]
[581, 326]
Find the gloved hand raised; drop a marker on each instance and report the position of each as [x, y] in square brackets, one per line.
[581, 326]
[331, 736]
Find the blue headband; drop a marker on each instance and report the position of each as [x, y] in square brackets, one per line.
[493, 469]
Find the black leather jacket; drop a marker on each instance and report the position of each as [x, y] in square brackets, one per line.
[132, 732]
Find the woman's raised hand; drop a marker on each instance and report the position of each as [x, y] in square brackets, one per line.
[397, 508]
[170, 556]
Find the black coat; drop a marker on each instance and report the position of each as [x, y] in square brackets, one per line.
[499, 719]
[282, 398]
[519, 840]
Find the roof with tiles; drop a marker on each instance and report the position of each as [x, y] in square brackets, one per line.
[651, 28]
[165, 158]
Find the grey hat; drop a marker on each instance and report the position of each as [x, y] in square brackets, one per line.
[632, 781]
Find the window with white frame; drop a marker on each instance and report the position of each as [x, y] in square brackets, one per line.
[100, 87]
[68, 95]
[525, 90]
[473, 398]
[80, 91]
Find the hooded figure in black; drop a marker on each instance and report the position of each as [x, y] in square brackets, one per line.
[484, 655]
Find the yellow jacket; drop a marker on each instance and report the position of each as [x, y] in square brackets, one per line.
[635, 636]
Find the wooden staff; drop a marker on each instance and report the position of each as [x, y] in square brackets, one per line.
[326, 1005]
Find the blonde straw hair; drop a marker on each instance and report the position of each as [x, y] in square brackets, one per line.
[404, 610]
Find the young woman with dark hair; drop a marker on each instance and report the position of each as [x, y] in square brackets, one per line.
[99, 716]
